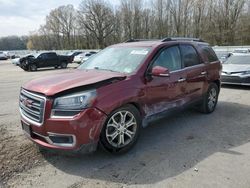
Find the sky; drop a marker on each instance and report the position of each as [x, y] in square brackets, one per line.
[19, 17]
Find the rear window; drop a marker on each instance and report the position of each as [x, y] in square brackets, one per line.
[189, 56]
[209, 52]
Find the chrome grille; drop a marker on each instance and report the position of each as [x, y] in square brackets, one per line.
[32, 107]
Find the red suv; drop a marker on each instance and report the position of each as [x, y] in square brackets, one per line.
[115, 93]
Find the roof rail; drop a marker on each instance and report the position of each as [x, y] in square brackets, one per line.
[182, 38]
[139, 40]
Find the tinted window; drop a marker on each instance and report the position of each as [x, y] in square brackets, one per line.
[51, 55]
[209, 52]
[170, 58]
[43, 56]
[189, 56]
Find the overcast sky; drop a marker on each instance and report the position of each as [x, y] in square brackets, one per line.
[19, 17]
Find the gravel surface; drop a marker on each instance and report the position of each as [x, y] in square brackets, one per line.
[186, 150]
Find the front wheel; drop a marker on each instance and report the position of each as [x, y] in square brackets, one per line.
[63, 65]
[210, 99]
[32, 67]
[121, 130]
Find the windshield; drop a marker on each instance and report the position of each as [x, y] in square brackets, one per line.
[239, 60]
[35, 55]
[119, 59]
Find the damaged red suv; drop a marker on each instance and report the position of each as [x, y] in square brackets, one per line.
[115, 93]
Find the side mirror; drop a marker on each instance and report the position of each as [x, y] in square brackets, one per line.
[160, 71]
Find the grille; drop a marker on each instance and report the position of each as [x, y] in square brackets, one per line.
[32, 107]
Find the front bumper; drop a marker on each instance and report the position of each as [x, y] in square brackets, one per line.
[77, 134]
[235, 80]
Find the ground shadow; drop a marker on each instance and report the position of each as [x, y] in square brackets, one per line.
[166, 148]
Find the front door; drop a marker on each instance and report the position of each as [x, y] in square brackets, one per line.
[165, 93]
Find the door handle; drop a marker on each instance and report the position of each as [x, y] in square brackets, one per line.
[182, 80]
[204, 73]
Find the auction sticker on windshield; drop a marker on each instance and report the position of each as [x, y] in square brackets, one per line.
[139, 52]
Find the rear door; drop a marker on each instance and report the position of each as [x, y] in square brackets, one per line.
[196, 74]
[165, 93]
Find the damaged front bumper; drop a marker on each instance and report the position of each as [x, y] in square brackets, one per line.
[80, 134]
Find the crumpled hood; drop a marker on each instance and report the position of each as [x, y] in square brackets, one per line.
[51, 85]
[235, 68]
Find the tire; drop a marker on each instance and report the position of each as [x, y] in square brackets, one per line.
[56, 67]
[64, 65]
[116, 136]
[32, 67]
[210, 99]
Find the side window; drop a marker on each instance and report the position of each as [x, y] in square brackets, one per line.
[169, 58]
[189, 56]
[51, 55]
[209, 52]
[43, 56]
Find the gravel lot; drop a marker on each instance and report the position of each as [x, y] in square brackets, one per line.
[187, 150]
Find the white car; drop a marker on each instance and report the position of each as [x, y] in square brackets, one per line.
[16, 61]
[3, 56]
[83, 57]
[78, 58]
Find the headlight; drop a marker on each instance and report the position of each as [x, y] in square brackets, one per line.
[70, 105]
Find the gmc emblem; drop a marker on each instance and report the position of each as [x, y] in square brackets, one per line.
[27, 103]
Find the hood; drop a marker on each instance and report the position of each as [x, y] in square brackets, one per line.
[235, 68]
[51, 85]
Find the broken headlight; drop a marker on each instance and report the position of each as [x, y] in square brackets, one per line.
[71, 105]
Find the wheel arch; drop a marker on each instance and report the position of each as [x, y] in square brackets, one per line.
[218, 83]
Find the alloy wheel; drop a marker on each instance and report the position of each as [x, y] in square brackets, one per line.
[121, 129]
[212, 98]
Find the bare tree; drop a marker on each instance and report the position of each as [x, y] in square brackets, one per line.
[98, 19]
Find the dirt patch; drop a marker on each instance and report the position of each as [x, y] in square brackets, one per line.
[16, 155]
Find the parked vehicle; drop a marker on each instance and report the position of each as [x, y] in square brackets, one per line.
[223, 56]
[73, 54]
[236, 70]
[87, 56]
[42, 60]
[16, 61]
[3, 56]
[79, 57]
[110, 97]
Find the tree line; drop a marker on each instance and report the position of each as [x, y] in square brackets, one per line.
[97, 23]
[13, 43]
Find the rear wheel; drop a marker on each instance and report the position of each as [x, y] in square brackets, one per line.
[210, 99]
[121, 130]
[64, 65]
[32, 67]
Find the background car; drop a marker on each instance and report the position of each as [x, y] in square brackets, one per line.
[79, 57]
[236, 70]
[42, 60]
[87, 56]
[3, 56]
[223, 56]
[73, 54]
[16, 61]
